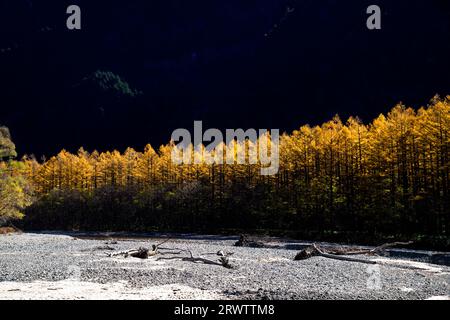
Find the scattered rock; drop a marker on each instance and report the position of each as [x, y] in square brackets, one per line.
[244, 241]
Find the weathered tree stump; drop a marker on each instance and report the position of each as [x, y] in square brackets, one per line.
[244, 241]
[141, 253]
[306, 253]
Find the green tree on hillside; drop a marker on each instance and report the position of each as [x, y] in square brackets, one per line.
[7, 147]
[15, 190]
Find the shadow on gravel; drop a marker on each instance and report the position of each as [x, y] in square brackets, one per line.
[132, 236]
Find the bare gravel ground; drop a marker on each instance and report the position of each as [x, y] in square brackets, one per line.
[51, 266]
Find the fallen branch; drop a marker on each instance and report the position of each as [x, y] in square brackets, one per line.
[223, 260]
[338, 254]
[141, 253]
[98, 248]
[219, 253]
[161, 243]
[391, 245]
[336, 257]
[144, 253]
[376, 251]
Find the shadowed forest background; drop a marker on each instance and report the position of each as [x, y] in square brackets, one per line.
[388, 178]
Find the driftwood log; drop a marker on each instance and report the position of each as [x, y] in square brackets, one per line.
[144, 253]
[141, 253]
[223, 261]
[314, 250]
[341, 253]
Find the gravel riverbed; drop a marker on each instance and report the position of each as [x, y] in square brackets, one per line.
[53, 266]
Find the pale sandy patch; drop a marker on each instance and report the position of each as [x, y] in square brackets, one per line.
[444, 298]
[273, 260]
[140, 264]
[78, 290]
[409, 264]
